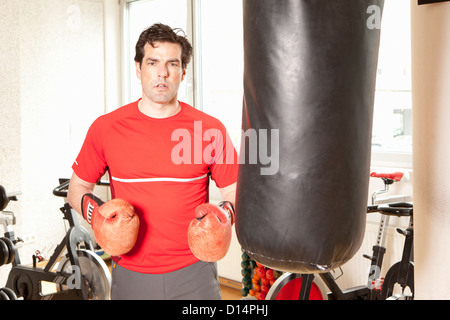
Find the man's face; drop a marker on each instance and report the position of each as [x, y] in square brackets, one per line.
[161, 72]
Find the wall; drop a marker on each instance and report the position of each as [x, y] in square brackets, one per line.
[52, 88]
[10, 142]
[431, 116]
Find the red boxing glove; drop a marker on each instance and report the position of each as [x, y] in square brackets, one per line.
[114, 222]
[209, 235]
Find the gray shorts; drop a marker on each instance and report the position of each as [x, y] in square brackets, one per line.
[198, 281]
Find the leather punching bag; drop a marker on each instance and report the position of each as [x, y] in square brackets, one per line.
[309, 82]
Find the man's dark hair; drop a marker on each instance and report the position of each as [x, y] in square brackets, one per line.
[163, 33]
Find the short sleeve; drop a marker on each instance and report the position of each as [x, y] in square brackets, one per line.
[224, 169]
[90, 163]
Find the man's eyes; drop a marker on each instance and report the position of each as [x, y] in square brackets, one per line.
[171, 64]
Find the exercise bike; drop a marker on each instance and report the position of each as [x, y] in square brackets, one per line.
[291, 286]
[74, 270]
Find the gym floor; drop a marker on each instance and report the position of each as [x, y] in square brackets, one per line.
[229, 293]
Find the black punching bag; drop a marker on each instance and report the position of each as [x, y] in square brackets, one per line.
[309, 82]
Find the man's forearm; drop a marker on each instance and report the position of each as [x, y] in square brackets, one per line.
[78, 188]
[229, 193]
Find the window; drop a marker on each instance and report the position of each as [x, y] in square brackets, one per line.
[222, 63]
[213, 81]
[137, 16]
[214, 78]
[392, 125]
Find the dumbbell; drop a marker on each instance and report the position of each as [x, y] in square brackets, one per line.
[5, 198]
[7, 252]
[7, 294]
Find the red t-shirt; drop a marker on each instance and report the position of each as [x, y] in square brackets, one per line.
[162, 167]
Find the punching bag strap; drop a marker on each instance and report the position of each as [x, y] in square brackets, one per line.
[229, 209]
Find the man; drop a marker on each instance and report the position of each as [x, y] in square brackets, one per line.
[137, 146]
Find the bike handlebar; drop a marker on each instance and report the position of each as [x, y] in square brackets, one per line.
[61, 190]
[397, 209]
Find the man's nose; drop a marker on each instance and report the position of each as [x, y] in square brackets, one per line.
[163, 71]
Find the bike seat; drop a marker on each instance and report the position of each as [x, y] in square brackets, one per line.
[399, 209]
[396, 176]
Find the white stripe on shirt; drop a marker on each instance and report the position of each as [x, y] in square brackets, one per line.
[158, 179]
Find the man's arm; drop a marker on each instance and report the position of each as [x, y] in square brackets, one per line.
[114, 223]
[229, 193]
[77, 188]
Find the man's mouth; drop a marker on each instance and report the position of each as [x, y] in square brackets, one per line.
[161, 85]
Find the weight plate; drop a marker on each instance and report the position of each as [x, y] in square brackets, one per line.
[94, 271]
[11, 249]
[23, 286]
[4, 253]
[3, 296]
[3, 198]
[11, 295]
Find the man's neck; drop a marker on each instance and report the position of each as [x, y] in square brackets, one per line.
[159, 110]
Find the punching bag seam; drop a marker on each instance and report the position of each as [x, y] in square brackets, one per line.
[314, 265]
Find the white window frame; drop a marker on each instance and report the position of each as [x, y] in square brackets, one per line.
[392, 159]
[194, 76]
[192, 79]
